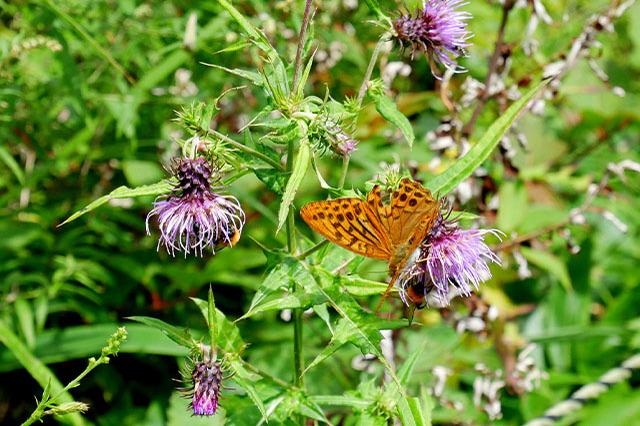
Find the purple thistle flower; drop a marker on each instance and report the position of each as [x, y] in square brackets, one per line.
[438, 29]
[343, 144]
[203, 382]
[449, 256]
[193, 215]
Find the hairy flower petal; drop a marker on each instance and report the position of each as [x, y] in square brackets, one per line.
[438, 29]
[449, 256]
[194, 216]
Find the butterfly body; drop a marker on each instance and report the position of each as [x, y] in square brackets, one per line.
[372, 229]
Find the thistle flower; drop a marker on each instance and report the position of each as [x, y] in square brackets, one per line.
[438, 29]
[193, 216]
[326, 134]
[342, 143]
[204, 383]
[449, 256]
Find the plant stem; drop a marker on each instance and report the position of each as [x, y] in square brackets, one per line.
[297, 313]
[303, 31]
[343, 174]
[372, 64]
[312, 250]
[493, 64]
[241, 147]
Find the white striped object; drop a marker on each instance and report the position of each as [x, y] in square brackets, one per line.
[587, 392]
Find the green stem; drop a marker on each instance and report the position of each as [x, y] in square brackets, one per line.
[372, 64]
[273, 163]
[312, 250]
[343, 175]
[303, 31]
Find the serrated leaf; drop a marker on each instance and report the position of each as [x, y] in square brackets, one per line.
[446, 181]
[300, 166]
[181, 337]
[122, 192]
[243, 378]
[389, 111]
[273, 179]
[279, 279]
[550, 263]
[355, 326]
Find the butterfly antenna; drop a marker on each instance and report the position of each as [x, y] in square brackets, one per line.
[386, 292]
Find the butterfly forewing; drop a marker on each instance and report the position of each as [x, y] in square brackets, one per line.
[350, 223]
[413, 211]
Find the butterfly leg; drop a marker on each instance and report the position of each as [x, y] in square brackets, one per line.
[389, 287]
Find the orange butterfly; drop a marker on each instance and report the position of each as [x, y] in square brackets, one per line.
[372, 229]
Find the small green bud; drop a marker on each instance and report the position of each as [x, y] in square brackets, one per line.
[67, 408]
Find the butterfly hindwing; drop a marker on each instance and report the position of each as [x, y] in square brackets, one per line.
[351, 224]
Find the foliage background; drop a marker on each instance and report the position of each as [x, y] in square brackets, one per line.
[73, 128]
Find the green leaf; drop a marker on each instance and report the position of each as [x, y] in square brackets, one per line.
[122, 192]
[26, 320]
[300, 166]
[59, 345]
[407, 367]
[261, 41]
[253, 76]
[289, 270]
[227, 333]
[355, 326]
[211, 317]
[410, 412]
[181, 337]
[389, 111]
[273, 179]
[375, 8]
[298, 91]
[346, 400]
[550, 263]
[243, 378]
[12, 164]
[445, 182]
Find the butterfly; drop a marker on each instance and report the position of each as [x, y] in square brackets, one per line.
[372, 229]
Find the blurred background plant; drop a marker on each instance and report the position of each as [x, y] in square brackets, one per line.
[88, 91]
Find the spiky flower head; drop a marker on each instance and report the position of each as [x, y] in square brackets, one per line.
[203, 384]
[195, 215]
[438, 29]
[328, 135]
[450, 256]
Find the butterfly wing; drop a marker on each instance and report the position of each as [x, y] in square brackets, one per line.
[350, 223]
[407, 220]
